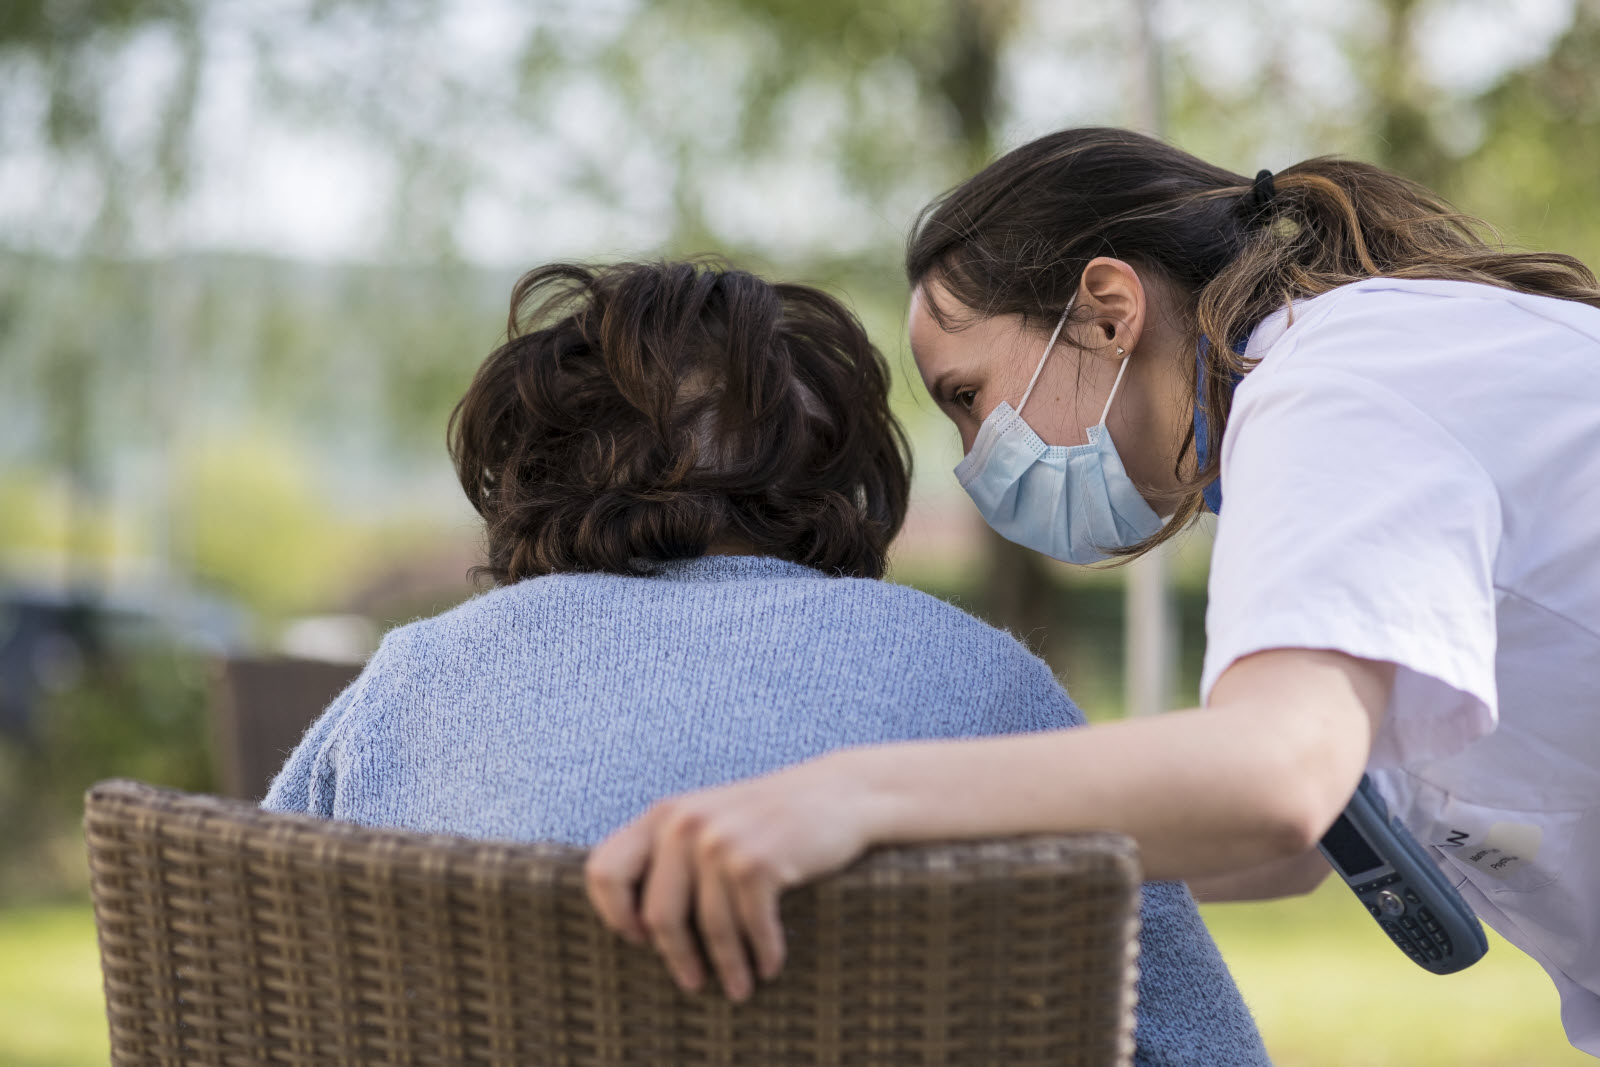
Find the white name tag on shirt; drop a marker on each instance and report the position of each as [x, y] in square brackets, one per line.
[1501, 849]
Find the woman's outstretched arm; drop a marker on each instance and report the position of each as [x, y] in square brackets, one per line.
[1256, 776]
[1290, 877]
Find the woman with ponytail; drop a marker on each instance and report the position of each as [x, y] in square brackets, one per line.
[1403, 419]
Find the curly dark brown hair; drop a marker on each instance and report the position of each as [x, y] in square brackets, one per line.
[646, 412]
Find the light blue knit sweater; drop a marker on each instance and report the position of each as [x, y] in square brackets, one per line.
[561, 707]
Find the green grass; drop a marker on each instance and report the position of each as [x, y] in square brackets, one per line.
[1327, 988]
[52, 1012]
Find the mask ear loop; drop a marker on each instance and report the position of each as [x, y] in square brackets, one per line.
[1114, 387]
[1051, 347]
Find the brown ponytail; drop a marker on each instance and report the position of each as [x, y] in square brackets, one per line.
[1015, 238]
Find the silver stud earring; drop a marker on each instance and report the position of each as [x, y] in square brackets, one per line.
[1119, 351]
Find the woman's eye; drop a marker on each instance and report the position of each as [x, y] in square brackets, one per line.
[966, 398]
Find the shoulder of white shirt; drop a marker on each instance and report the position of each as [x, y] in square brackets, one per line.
[1305, 313]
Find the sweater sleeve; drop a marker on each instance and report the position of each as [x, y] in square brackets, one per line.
[1024, 694]
[308, 782]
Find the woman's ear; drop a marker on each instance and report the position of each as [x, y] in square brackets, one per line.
[1115, 297]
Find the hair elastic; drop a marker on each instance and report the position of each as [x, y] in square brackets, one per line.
[1262, 192]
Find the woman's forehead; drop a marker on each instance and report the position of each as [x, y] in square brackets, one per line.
[921, 329]
[937, 324]
[934, 303]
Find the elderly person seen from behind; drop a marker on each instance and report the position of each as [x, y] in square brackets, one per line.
[689, 479]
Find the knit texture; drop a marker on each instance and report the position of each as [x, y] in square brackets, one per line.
[559, 708]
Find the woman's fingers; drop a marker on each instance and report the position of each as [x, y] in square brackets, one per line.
[755, 899]
[669, 851]
[719, 932]
[613, 871]
[668, 888]
[725, 855]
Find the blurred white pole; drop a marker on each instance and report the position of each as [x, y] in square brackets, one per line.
[1150, 632]
[1150, 93]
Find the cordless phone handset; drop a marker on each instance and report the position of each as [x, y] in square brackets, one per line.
[1393, 876]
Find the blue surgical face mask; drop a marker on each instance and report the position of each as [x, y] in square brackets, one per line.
[1069, 502]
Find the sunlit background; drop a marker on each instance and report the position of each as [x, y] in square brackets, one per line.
[250, 253]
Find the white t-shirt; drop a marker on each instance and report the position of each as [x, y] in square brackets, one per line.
[1412, 474]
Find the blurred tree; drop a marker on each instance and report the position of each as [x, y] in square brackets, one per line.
[1517, 146]
[1532, 167]
[1403, 133]
[73, 47]
[1520, 153]
[70, 48]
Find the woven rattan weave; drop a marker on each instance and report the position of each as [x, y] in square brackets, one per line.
[233, 936]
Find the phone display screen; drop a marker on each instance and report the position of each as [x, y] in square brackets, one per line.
[1349, 850]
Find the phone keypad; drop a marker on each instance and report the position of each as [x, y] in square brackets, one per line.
[1419, 935]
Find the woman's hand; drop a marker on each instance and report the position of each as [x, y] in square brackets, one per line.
[723, 856]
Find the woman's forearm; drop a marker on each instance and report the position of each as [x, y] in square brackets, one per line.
[1289, 877]
[1195, 807]
[1257, 776]
[1204, 791]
